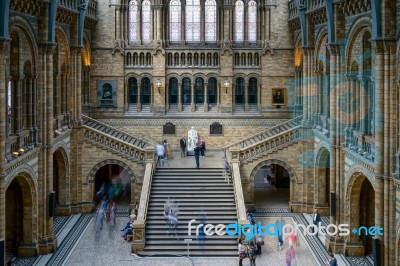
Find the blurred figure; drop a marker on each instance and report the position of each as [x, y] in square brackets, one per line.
[252, 254]
[242, 251]
[290, 256]
[197, 155]
[279, 225]
[227, 169]
[293, 239]
[259, 243]
[202, 236]
[171, 217]
[160, 151]
[111, 215]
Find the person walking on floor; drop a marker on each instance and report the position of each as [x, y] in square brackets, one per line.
[197, 155]
[182, 143]
[279, 225]
[252, 253]
[332, 260]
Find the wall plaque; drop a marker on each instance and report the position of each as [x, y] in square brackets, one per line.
[169, 129]
[216, 129]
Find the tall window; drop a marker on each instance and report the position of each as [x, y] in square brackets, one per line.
[210, 26]
[193, 20]
[146, 21]
[239, 21]
[175, 21]
[133, 26]
[252, 21]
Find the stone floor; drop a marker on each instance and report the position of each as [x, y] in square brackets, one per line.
[79, 244]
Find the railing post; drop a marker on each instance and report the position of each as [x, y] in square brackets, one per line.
[237, 185]
[139, 236]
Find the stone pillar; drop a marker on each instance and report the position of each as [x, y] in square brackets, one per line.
[192, 103]
[180, 97]
[206, 97]
[246, 97]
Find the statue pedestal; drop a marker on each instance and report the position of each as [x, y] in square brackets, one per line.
[190, 153]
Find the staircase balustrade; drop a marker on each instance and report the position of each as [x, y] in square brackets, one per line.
[115, 140]
[275, 142]
[237, 186]
[268, 133]
[139, 236]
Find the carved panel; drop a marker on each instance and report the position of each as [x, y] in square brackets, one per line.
[169, 129]
[215, 129]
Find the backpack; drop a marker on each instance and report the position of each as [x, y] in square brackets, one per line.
[251, 253]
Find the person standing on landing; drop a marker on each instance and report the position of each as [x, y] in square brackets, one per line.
[197, 155]
[202, 147]
[182, 143]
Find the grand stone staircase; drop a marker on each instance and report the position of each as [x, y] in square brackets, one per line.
[194, 190]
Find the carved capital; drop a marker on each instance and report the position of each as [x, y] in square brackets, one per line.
[308, 50]
[384, 46]
[47, 48]
[334, 48]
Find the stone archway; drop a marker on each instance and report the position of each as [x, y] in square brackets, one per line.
[21, 217]
[361, 213]
[273, 181]
[322, 181]
[61, 182]
[112, 172]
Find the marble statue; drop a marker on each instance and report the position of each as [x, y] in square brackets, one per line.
[193, 138]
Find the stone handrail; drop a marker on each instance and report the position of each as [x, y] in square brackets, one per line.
[270, 144]
[115, 144]
[139, 236]
[237, 186]
[268, 133]
[125, 137]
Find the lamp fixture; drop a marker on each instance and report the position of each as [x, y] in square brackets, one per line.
[226, 84]
[158, 84]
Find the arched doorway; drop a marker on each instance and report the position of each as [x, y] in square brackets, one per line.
[19, 217]
[212, 90]
[362, 211]
[60, 174]
[133, 90]
[239, 91]
[113, 182]
[322, 181]
[145, 91]
[272, 186]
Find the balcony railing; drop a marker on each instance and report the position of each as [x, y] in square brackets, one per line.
[73, 6]
[293, 12]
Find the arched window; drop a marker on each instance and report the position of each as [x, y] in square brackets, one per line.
[175, 21]
[146, 91]
[199, 90]
[132, 84]
[186, 91]
[173, 90]
[252, 91]
[239, 91]
[239, 21]
[212, 90]
[133, 25]
[192, 20]
[146, 21]
[210, 25]
[252, 21]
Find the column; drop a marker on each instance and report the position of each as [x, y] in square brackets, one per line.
[180, 97]
[139, 96]
[246, 97]
[192, 103]
[159, 25]
[206, 97]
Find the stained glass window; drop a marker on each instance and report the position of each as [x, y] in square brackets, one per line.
[192, 20]
[239, 21]
[146, 21]
[133, 26]
[252, 21]
[210, 26]
[175, 21]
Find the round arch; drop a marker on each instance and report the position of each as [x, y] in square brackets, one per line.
[22, 213]
[61, 177]
[292, 173]
[93, 171]
[322, 178]
[360, 209]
